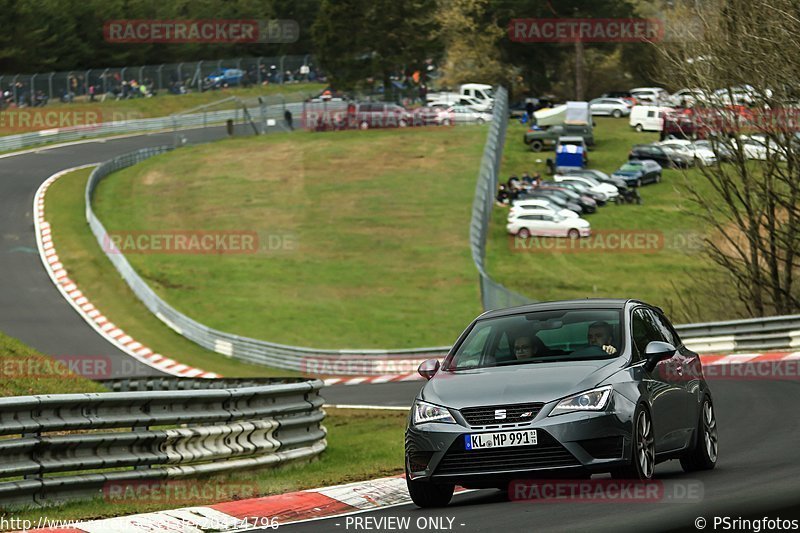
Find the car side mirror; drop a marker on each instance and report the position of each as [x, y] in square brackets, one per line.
[657, 351]
[428, 368]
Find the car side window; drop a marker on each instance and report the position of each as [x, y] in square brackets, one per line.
[645, 330]
[666, 329]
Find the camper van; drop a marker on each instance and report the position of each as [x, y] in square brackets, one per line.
[648, 118]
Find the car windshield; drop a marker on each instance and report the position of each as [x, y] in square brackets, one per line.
[539, 337]
[630, 167]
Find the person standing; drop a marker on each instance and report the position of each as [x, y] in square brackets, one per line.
[287, 116]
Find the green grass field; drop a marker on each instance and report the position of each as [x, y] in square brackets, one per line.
[375, 227]
[24, 371]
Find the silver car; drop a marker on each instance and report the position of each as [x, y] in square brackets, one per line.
[615, 107]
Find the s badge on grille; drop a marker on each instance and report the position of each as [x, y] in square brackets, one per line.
[499, 414]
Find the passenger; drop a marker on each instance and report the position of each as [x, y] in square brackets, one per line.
[601, 334]
[527, 347]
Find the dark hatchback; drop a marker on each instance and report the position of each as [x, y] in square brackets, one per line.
[564, 388]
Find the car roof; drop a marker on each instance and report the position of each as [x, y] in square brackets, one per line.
[586, 303]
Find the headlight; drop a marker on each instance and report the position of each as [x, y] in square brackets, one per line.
[427, 412]
[591, 400]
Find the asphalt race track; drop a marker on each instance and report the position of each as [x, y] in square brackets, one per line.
[757, 473]
[31, 308]
[758, 469]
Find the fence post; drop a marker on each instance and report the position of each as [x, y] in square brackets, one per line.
[158, 75]
[50, 85]
[14, 88]
[33, 88]
[198, 72]
[258, 70]
[281, 74]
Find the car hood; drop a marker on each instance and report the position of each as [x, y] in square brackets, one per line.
[533, 382]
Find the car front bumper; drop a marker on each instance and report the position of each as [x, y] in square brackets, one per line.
[578, 442]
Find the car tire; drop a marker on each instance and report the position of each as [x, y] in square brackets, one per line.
[643, 448]
[639, 182]
[537, 146]
[639, 128]
[364, 125]
[524, 233]
[703, 454]
[616, 113]
[574, 234]
[403, 123]
[425, 494]
[480, 121]
[446, 122]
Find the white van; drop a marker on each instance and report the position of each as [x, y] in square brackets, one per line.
[648, 117]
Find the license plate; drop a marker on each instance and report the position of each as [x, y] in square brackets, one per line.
[503, 439]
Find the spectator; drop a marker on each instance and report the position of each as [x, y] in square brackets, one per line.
[287, 116]
[502, 195]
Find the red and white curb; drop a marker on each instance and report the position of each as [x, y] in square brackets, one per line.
[266, 512]
[81, 303]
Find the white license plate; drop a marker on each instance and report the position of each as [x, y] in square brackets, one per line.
[501, 439]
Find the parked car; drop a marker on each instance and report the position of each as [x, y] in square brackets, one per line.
[679, 155]
[459, 114]
[665, 158]
[600, 176]
[545, 223]
[466, 101]
[587, 203]
[759, 148]
[702, 156]
[650, 95]
[687, 97]
[228, 77]
[720, 150]
[540, 139]
[623, 95]
[648, 118]
[584, 190]
[615, 107]
[559, 390]
[638, 173]
[522, 206]
[381, 115]
[610, 191]
[554, 197]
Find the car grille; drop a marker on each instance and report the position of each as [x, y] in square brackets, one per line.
[548, 453]
[485, 416]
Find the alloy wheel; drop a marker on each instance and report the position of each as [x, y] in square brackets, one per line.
[645, 445]
[710, 431]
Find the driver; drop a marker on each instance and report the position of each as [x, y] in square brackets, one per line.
[601, 334]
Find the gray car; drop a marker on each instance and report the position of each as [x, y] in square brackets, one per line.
[566, 388]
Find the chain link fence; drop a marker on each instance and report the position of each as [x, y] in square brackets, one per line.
[493, 294]
[175, 78]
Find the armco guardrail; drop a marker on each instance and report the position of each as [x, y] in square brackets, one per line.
[770, 333]
[68, 446]
[309, 360]
[493, 294]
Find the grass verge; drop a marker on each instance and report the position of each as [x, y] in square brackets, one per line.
[97, 278]
[24, 371]
[362, 445]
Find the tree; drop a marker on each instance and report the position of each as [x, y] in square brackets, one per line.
[754, 210]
